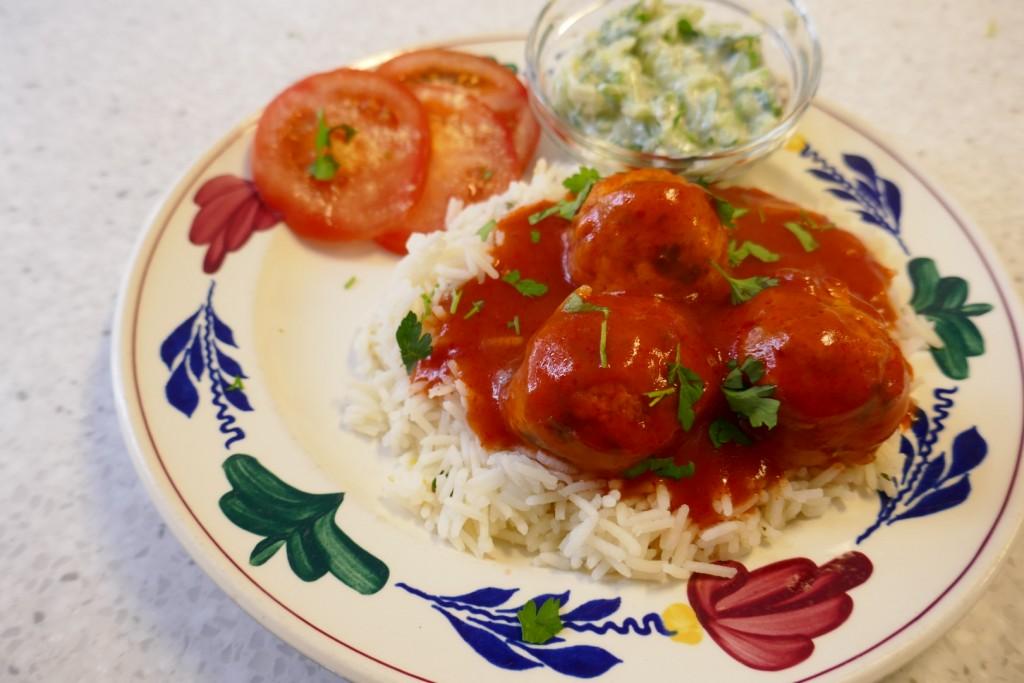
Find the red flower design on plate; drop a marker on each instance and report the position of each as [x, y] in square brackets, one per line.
[230, 210]
[767, 618]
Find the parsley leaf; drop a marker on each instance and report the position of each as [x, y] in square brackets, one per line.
[236, 385]
[662, 467]
[753, 369]
[722, 431]
[745, 289]
[528, 288]
[576, 304]
[728, 213]
[485, 231]
[580, 183]
[691, 388]
[325, 166]
[747, 398]
[807, 240]
[350, 283]
[686, 30]
[755, 403]
[535, 236]
[739, 254]
[582, 180]
[412, 343]
[474, 309]
[540, 625]
[513, 324]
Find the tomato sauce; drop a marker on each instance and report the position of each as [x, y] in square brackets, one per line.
[488, 349]
[485, 345]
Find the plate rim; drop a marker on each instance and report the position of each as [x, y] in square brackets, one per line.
[199, 541]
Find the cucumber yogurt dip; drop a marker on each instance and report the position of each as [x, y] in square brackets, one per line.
[654, 79]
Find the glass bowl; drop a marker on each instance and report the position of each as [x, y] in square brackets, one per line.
[790, 49]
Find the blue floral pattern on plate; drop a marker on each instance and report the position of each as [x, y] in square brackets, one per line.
[195, 347]
[928, 484]
[494, 632]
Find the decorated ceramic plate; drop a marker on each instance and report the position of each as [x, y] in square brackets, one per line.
[234, 361]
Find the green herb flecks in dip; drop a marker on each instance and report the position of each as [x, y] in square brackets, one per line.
[653, 78]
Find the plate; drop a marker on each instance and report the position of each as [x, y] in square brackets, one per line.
[229, 388]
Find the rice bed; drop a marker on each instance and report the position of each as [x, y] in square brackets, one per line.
[476, 499]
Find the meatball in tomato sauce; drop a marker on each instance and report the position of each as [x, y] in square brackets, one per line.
[583, 395]
[648, 232]
[842, 382]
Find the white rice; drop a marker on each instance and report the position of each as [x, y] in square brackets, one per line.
[476, 499]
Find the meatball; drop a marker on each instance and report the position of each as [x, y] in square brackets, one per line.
[648, 232]
[600, 419]
[841, 380]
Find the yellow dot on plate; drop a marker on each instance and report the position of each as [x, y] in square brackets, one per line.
[796, 143]
[681, 618]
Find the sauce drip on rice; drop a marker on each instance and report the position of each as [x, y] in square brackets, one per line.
[710, 339]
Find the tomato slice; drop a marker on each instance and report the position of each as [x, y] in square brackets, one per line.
[381, 166]
[472, 157]
[493, 84]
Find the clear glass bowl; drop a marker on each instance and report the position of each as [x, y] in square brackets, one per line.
[791, 50]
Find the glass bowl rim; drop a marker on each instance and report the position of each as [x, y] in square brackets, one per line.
[547, 113]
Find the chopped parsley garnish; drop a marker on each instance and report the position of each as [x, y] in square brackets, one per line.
[658, 394]
[474, 309]
[513, 324]
[456, 298]
[688, 384]
[412, 343]
[236, 385]
[487, 174]
[526, 287]
[325, 166]
[485, 231]
[576, 304]
[807, 240]
[739, 254]
[350, 283]
[428, 303]
[580, 183]
[433, 482]
[749, 399]
[662, 467]
[728, 213]
[535, 236]
[540, 625]
[508, 65]
[686, 30]
[722, 431]
[745, 289]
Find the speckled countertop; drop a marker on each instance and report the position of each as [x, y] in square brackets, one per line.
[103, 104]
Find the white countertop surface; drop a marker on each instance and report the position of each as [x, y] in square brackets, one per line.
[103, 104]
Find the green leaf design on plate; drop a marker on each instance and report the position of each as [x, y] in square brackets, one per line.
[303, 523]
[943, 300]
